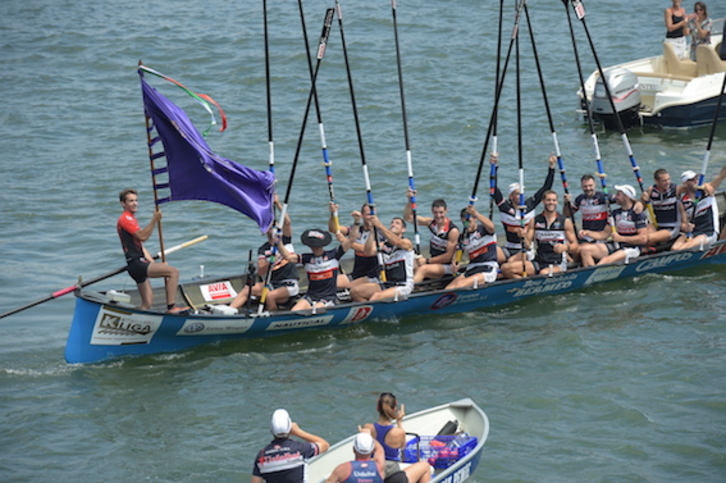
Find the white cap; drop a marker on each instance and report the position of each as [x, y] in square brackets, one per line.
[688, 175]
[363, 443]
[627, 190]
[280, 424]
[512, 188]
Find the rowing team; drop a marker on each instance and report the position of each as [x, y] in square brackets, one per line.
[386, 266]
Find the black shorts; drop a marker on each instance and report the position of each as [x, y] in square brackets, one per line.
[138, 269]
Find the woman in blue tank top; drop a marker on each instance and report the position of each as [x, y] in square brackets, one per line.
[392, 437]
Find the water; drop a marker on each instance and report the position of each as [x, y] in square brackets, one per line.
[622, 382]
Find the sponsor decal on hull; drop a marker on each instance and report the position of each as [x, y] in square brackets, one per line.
[543, 285]
[300, 323]
[119, 327]
[214, 326]
[604, 274]
[358, 314]
[460, 475]
[663, 261]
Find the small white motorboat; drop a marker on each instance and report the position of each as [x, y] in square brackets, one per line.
[663, 91]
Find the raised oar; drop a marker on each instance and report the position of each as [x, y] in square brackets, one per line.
[321, 128]
[580, 11]
[495, 143]
[366, 178]
[558, 153]
[497, 95]
[520, 161]
[86, 283]
[268, 90]
[707, 156]
[596, 146]
[322, 44]
[409, 161]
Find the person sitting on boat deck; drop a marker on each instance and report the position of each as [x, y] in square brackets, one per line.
[594, 211]
[631, 232]
[700, 25]
[284, 279]
[398, 262]
[369, 465]
[509, 210]
[365, 268]
[700, 215]
[141, 265]
[284, 460]
[393, 437]
[444, 238]
[676, 22]
[479, 242]
[321, 267]
[555, 235]
[663, 197]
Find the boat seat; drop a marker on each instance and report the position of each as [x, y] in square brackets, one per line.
[708, 61]
[677, 66]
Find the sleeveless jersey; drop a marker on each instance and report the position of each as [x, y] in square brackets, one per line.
[627, 223]
[547, 236]
[322, 272]
[479, 245]
[398, 263]
[665, 207]
[392, 454]
[594, 211]
[440, 238]
[363, 265]
[281, 269]
[706, 214]
[363, 471]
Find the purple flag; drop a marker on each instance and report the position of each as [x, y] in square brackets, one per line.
[196, 173]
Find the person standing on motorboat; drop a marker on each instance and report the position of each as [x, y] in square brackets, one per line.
[700, 26]
[676, 22]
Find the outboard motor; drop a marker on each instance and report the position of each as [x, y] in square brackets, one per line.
[623, 86]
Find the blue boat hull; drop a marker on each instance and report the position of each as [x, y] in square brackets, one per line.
[103, 330]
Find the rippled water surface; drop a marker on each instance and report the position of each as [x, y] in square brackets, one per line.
[623, 382]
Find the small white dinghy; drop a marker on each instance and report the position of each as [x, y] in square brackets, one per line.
[454, 456]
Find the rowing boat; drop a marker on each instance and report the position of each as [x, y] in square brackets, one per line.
[109, 325]
[469, 420]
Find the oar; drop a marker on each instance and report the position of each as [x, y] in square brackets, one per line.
[85, 283]
[580, 10]
[369, 193]
[268, 89]
[593, 136]
[707, 156]
[558, 153]
[492, 118]
[321, 128]
[322, 44]
[520, 156]
[495, 144]
[409, 161]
